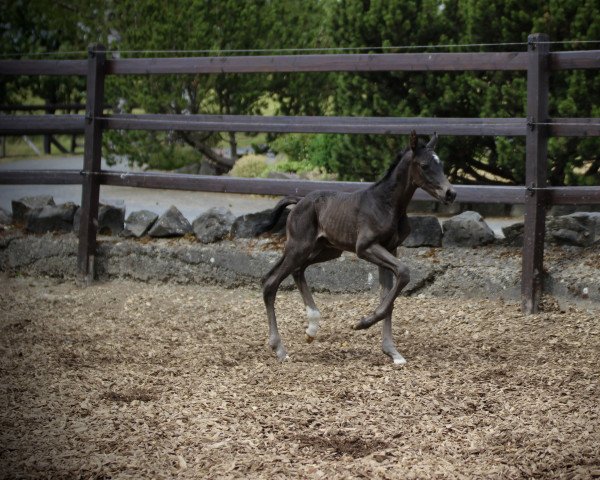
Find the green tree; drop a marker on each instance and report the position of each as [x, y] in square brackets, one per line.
[488, 94]
[31, 29]
[216, 26]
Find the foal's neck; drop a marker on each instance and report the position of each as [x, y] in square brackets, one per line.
[397, 189]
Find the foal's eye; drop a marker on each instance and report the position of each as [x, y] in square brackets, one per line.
[425, 166]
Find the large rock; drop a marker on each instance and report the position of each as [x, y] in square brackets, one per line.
[213, 225]
[138, 223]
[581, 229]
[467, 230]
[22, 206]
[246, 226]
[51, 218]
[425, 231]
[5, 217]
[513, 234]
[172, 223]
[111, 219]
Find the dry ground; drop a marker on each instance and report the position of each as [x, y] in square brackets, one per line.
[130, 380]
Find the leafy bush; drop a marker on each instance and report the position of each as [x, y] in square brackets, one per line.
[250, 166]
[305, 152]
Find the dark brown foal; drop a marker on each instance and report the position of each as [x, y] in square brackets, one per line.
[371, 222]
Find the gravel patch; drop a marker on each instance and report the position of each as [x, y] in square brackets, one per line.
[132, 380]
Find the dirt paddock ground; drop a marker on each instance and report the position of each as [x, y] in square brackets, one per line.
[133, 380]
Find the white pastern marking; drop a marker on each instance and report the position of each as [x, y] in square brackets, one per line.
[313, 321]
[399, 361]
[436, 158]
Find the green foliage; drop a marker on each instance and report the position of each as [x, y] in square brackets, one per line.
[30, 26]
[152, 150]
[486, 94]
[250, 166]
[307, 152]
[215, 26]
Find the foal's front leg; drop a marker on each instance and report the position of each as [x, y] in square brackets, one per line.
[386, 280]
[381, 257]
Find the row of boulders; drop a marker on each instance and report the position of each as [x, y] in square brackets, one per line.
[40, 214]
[581, 229]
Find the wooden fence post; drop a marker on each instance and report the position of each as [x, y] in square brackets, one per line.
[536, 172]
[90, 192]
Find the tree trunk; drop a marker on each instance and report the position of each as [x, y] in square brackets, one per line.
[223, 163]
[50, 100]
[233, 146]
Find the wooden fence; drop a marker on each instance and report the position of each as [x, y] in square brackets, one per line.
[49, 139]
[537, 127]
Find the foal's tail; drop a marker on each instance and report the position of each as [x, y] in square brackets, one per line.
[276, 214]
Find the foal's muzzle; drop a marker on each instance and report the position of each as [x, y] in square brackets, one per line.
[450, 196]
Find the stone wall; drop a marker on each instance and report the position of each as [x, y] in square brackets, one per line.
[573, 273]
[467, 229]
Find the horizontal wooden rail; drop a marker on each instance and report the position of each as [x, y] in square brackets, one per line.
[574, 60]
[306, 124]
[17, 107]
[572, 195]
[257, 186]
[43, 124]
[264, 186]
[574, 127]
[268, 186]
[40, 177]
[40, 124]
[43, 67]
[376, 62]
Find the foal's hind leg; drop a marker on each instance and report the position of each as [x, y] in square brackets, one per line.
[386, 279]
[271, 283]
[294, 256]
[312, 312]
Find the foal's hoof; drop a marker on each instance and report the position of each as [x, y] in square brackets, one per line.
[283, 357]
[363, 324]
[308, 338]
[281, 353]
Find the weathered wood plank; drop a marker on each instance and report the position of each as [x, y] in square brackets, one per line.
[281, 124]
[573, 195]
[536, 146]
[43, 67]
[574, 127]
[40, 177]
[90, 191]
[575, 60]
[267, 186]
[18, 107]
[40, 124]
[466, 193]
[375, 62]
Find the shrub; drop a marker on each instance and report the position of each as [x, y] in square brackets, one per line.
[249, 166]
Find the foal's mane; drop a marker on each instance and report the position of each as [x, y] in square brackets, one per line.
[395, 163]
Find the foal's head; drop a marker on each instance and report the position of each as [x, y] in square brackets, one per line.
[427, 170]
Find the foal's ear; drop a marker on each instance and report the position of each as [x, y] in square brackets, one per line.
[413, 140]
[433, 142]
